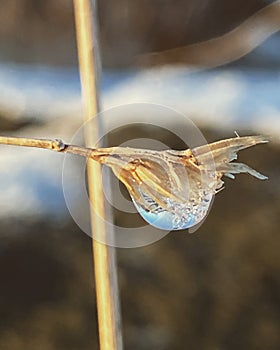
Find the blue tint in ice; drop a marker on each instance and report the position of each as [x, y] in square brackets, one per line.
[165, 220]
[177, 216]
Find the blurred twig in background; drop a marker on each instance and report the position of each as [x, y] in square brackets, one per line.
[223, 49]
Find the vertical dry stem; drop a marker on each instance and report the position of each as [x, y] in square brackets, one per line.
[104, 256]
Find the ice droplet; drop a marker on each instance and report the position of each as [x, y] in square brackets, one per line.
[176, 216]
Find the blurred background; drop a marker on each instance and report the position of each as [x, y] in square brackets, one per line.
[215, 61]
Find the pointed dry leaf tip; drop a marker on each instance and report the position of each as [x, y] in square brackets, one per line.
[245, 142]
[225, 151]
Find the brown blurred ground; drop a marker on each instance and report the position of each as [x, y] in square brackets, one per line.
[216, 289]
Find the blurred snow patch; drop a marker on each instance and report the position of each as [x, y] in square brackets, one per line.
[30, 183]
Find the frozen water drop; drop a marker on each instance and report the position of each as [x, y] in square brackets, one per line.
[177, 216]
